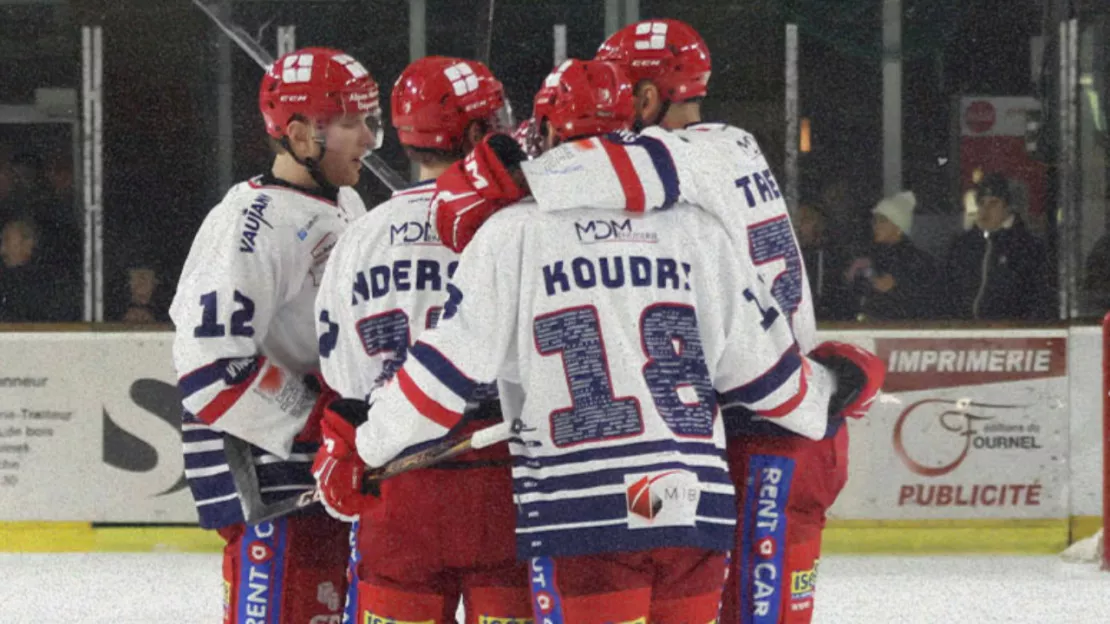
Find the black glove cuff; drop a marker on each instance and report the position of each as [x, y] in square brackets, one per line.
[849, 381]
[354, 411]
[507, 149]
[372, 487]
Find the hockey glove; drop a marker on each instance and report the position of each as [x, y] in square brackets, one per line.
[338, 468]
[475, 188]
[859, 377]
[527, 134]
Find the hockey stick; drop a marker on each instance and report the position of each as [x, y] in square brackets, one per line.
[485, 33]
[240, 462]
[440, 451]
[262, 57]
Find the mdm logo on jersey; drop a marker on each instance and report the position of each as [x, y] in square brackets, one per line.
[611, 231]
[413, 233]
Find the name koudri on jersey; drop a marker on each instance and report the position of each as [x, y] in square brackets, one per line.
[718, 167]
[621, 350]
[245, 340]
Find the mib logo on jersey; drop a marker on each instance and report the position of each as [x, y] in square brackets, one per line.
[662, 499]
[413, 233]
[611, 231]
[254, 217]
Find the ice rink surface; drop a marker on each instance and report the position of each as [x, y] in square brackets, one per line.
[186, 589]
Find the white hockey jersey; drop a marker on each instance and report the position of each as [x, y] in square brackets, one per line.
[385, 284]
[621, 346]
[245, 335]
[716, 166]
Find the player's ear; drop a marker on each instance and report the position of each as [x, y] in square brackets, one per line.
[301, 137]
[648, 100]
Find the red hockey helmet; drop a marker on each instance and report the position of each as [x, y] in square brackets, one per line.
[436, 97]
[583, 98]
[667, 52]
[317, 84]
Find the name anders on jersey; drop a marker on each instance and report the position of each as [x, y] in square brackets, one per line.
[422, 274]
[611, 231]
[254, 217]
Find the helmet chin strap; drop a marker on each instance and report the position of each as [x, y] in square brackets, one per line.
[312, 164]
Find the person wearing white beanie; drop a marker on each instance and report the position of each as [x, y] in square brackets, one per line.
[896, 210]
[898, 281]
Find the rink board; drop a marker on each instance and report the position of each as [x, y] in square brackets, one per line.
[90, 429]
[984, 441]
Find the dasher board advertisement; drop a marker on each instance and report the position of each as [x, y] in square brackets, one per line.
[90, 429]
[971, 424]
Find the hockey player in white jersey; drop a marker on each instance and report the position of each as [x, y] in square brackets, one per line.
[245, 348]
[387, 281]
[720, 168]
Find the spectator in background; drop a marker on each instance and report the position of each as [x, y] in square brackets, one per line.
[141, 283]
[824, 265]
[33, 194]
[897, 281]
[998, 270]
[29, 290]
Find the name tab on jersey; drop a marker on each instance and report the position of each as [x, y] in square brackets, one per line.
[253, 220]
[401, 276]
[764, 184]
[616, 272]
